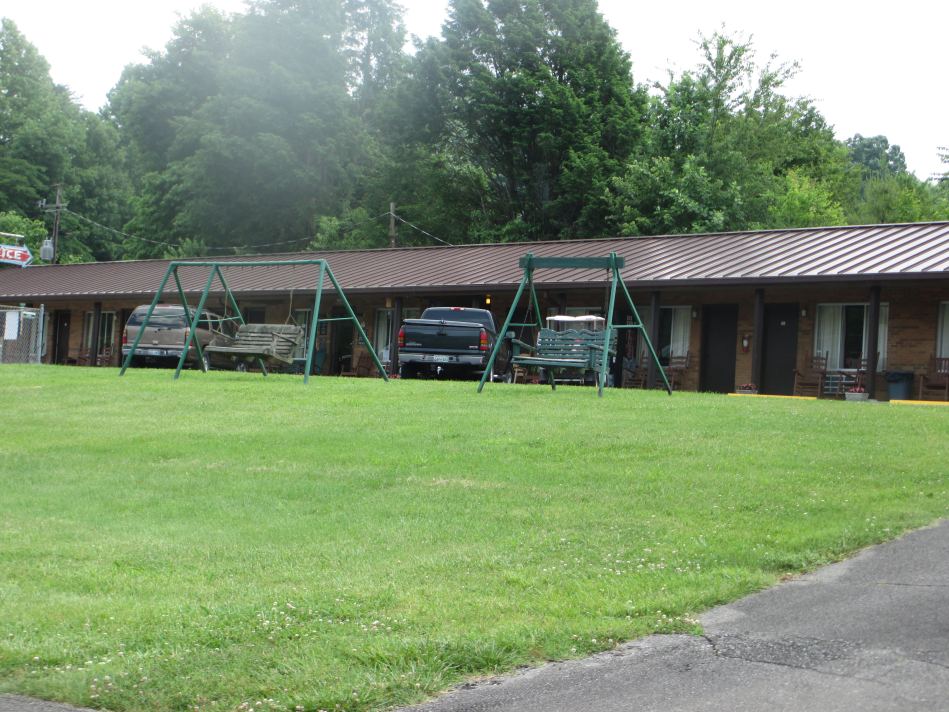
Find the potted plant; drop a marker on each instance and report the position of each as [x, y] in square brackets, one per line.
[748, 389]
[856, 393]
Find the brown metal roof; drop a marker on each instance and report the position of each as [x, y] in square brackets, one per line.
[916, 250]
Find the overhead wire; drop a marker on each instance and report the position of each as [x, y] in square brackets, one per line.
[416, 227]
[349, 228]
[117, 232]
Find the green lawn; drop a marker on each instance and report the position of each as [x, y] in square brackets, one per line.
[227, 539]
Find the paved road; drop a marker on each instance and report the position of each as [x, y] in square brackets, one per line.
[870, 633]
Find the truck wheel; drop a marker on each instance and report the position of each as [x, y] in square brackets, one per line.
[408, 370]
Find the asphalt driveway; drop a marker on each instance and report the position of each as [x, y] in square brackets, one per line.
[869, 633]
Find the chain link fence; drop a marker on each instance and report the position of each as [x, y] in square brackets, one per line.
[22, 335]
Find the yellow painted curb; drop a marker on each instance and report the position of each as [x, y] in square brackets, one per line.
[918, 402]
[761, 395]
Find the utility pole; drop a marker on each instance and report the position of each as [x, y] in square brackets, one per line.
[392, 233]
[58, 208]
[49, 249]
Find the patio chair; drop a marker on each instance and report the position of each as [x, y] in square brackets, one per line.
[635, 373]
[677, 367]
[810, 381]
[935, 382]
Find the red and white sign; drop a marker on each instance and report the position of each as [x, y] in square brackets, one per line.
[13, 255]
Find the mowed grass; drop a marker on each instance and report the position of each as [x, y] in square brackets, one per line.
[229, 541]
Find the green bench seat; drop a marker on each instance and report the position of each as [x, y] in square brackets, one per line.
[272, 342]
[563, 350]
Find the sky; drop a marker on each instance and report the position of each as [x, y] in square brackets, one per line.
[870, 67]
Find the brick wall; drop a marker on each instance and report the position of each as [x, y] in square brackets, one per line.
[913, 313]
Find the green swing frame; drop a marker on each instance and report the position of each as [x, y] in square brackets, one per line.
[614, 264]
[215, 270]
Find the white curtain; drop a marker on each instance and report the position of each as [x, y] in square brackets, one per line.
[881, 334]
[681, 326]
[942, 343]
[646, 316]
[829, 334]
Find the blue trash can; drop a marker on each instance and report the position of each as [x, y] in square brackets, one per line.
[899, 384]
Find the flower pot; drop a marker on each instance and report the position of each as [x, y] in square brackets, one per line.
[856, 396]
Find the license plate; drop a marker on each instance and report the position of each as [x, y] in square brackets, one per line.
[441, 359]
[154, 352]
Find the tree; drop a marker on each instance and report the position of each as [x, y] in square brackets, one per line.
[804, 202]
[901, 198]
[875, 155]
[535, 101]
[722, 143]
[249, 130]
[38, 126]
[47, 139]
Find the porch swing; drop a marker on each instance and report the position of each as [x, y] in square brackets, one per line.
[584, 350]
[263, 343]
[270, 343]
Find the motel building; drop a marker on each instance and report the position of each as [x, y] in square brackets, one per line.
[796, 312]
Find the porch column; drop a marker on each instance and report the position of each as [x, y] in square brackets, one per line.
[394, 339]
[94, 346]
[757, 338]
[651, 373]
[873, 340]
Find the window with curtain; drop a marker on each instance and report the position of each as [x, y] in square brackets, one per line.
[301, 317]
[675, 324]
[382, 333]
[841, 332]
[942, 333]
[106, 330]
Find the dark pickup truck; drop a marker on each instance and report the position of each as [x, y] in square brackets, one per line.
[448, 342]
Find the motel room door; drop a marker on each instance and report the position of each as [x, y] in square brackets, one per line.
[61, 335]
[719, 348]
[779, 351]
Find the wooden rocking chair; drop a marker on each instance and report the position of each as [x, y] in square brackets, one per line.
[810, 382]
[677, 367]
[935, 382]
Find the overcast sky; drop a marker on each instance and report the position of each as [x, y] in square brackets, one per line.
[870, 67]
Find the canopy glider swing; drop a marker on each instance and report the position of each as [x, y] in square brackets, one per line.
[256, 342]
[572, 349]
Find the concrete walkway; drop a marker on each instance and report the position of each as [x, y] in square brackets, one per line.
[870, 633]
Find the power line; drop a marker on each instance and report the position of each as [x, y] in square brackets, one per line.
[416, 227]
[348, 228]
[117, 232]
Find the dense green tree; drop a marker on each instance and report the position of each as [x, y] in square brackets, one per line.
[38, 124]
[888, 192]
[804, 202]
[249, 128]
[876, 156]
[723, 140]
[900, 198]
[531, 109]
[46, 139]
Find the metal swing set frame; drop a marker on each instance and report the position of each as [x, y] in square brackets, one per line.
[613, 264]
[216, 268]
